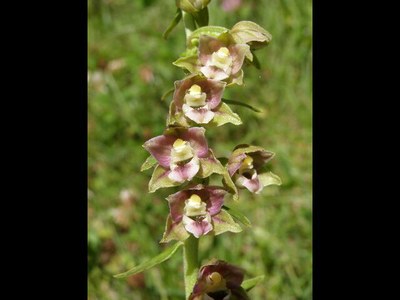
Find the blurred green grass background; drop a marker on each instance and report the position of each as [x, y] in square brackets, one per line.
[129, 68]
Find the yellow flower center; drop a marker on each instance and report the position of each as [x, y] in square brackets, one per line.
[247, 164]
[194, 206]
[195, 96]
[215, 283]
[222, 59]
[181, 151]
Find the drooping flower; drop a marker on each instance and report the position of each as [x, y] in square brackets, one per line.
[222, 58]
[178, 151]
[219, 280]
[198, 211]
[198, 98]
[245, 166]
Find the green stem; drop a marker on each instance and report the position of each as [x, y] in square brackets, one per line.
[190, 24]
[190, 263]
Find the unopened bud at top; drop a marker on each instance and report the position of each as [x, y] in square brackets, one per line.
[192, 6]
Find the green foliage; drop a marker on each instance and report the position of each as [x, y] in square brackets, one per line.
[163, 256]
[128, 74]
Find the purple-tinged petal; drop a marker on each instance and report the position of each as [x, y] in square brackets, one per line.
[207, 46]
[214, 92]
[185, 172]
[214, 73]
[160, 147]
[197, 140]
[238, 53]
[253, 184]
[197, 227]
[201, 115]
[235, 162]
[177, 203]
[215, 199]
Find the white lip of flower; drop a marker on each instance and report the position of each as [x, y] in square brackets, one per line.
[221, 59]
[195, 207]
[195, 97]
[181, 151]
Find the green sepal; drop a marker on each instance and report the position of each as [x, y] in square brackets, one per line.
[163, 256]
[149, 163]
[176, 232]
[269, 178]
[214, 31]
[211, 165]
[160, 179]
[252, 282]
[187, 62]
[223, 115]
[224, 222]
[247, 32]
[238, 216]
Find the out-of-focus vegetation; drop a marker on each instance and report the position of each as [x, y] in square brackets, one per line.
[129, 68]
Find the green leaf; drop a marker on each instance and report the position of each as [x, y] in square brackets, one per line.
[174, 22]
[252, 282]
[269, 178]
[238, 216]
[234, 102]
[163, 256]
[224, 222]
[160, 179]
[150, 162]
[224, 115]
[167, 93]
[246, 32]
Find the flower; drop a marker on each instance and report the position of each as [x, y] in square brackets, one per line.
[245, 168]
[178, 151]
[221, 58]
[219, 280]
[198, 98]
[198, 211]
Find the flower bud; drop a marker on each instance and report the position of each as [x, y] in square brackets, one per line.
[192, 6]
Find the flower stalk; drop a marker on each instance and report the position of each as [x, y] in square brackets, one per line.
[190, 263]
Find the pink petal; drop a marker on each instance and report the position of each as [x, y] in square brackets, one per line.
[213, 72]
[197, 140]
[215, 199]
[253, 184]
[181, 87]
[197, 228]
[207, 46]
[160, 147]
[238, 53]
[185, 172]
[202, 115]
[177, 204]
[214, 92]
[235, 162]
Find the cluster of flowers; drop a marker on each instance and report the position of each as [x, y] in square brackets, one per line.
[181, 155]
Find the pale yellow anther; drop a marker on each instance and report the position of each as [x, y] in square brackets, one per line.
[195, 199]
[223, 51]
[215, 278]
[178, 143]
[195, 90]
[248, 161]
